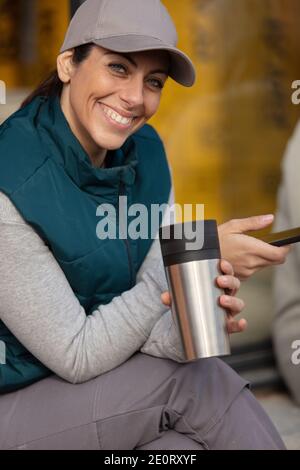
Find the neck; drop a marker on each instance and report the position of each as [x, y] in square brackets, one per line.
[98, 161]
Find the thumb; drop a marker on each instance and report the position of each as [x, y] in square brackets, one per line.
[251, 224]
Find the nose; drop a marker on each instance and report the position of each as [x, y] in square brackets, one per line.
[132, 92]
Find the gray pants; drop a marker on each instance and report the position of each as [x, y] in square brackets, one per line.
[146, 403]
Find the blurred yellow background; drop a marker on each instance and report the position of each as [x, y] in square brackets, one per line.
[31, 32]
[225, 136]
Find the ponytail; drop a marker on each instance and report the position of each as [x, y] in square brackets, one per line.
[50, 87]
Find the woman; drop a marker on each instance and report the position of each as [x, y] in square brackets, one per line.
[90, 310]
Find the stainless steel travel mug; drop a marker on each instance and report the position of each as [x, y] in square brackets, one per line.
[191, 274]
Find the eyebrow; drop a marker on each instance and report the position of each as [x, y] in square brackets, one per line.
[130, 59]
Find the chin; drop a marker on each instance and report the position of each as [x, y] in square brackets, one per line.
[109, 141]
[111, 144]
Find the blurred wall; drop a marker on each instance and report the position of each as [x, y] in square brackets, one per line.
[31, 32]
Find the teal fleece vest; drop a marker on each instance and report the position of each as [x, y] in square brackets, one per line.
[48, 176]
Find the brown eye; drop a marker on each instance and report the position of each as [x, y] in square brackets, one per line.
[117, 67]
[156, 83]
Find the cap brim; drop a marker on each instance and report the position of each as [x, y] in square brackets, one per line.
[181, 70]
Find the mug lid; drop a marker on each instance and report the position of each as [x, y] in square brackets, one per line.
[198, 235]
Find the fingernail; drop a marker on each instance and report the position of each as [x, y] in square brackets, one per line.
[226, 300]
[267, 218]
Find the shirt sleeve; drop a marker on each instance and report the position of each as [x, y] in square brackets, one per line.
[164, 340]
[39, 307]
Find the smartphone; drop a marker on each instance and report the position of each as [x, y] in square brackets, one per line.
[286, 237]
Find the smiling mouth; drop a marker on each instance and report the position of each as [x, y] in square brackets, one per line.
[116, 118]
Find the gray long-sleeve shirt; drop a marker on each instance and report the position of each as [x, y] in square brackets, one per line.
[39, 307]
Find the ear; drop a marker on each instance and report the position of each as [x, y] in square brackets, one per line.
[65, 66]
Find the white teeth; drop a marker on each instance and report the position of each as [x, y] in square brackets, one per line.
[117, 117]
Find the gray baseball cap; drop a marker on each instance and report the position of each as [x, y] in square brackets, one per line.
[130, 26]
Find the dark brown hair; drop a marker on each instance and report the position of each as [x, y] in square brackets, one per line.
[53, 85]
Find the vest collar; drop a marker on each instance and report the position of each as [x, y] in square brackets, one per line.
[65, 147]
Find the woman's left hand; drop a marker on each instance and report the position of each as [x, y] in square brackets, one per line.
[228, 301]
[248, 254]
[233, 305]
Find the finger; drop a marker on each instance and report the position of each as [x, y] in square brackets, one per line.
[226, 267]
[282, 253]
[266, 253]
[236, 326]
[230, 283]
[233, 304]
[251, 224]
[166, 299]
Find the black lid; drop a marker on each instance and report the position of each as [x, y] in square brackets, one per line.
[196, 240]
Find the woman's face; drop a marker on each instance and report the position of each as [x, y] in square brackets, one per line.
[110, 95]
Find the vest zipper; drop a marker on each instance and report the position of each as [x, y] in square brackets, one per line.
[122, 192]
